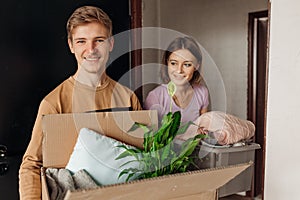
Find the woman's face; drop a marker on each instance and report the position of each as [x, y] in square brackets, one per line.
[181, 66]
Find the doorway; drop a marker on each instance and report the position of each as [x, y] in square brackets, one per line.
[257, 91]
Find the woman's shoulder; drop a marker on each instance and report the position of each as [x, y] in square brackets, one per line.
[159, 89]
[200, 89]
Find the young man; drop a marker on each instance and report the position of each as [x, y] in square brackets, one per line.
[90, 40]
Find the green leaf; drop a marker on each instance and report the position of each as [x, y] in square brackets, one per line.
[166, 119]
[189, 146]
[182, 129]
[171, 91]
[137, 125]
[123, 172]
[129, 152]
[127, 171]
[166, 152]
[129, 176]
[171, 88]
[148, 140]
[123, 155]
[164, 130]
[131, 161]
[175, 124]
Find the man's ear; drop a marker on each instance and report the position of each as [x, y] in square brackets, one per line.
[70, 45]
[111, 43]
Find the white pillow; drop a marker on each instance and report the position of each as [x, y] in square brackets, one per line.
[96, 154]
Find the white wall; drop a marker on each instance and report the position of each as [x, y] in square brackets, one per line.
[282, 174]
[220, 26]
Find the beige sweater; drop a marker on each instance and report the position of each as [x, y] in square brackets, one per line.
[69, 97]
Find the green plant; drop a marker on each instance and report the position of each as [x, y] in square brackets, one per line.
[161, 156]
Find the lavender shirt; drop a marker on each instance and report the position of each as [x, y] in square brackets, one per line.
[159, 99]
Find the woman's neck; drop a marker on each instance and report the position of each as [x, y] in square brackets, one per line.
[183, 95]
[183, 89]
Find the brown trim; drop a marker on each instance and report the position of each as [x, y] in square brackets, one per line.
[136, 43]
[250, 69]
[252, 99]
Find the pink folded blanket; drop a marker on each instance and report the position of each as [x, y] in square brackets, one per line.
[225, 128]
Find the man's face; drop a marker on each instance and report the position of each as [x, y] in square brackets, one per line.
[91, 46]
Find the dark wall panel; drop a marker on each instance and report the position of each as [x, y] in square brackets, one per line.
[34, 59]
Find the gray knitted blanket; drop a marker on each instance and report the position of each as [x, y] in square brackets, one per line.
[59, 181]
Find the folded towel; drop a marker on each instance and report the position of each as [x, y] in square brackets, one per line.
[223, 128]
[83, 180]
[227, 129]
[61, 180]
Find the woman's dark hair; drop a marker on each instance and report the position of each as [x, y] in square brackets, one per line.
[189, 44]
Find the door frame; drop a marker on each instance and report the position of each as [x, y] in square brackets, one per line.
[136, 43]
[259, 171]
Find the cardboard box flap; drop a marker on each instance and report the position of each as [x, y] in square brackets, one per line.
[61, 131]
[165, 187]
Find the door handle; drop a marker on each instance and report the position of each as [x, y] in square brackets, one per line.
[3, 160]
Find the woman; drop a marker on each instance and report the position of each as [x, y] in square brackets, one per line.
[182, 62]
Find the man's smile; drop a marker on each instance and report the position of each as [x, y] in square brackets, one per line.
[92, 58]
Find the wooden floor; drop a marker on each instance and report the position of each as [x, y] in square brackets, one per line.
[238, 197]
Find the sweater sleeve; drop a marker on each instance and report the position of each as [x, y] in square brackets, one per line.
[135, 103]
[30, 169]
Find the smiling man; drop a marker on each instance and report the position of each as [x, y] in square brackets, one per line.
[90, 88]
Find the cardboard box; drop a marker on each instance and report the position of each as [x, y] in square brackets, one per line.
[61, 131]
[200, 184]
[60, 134]
[211, 157]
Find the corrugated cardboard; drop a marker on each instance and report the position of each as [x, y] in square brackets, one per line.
[194, 183]
[60, 134]
[61, 131]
